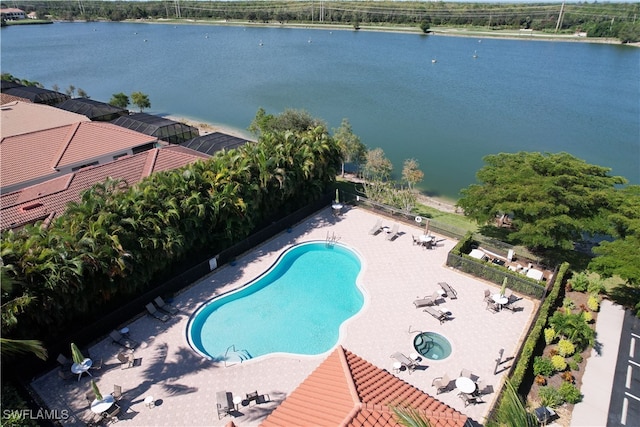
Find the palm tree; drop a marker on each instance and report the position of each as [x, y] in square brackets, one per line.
[512, 411]
[410, 417]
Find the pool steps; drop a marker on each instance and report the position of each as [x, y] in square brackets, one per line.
[236, 356]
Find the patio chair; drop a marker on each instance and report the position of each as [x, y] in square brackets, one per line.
[111, 414]
[117, 392]
[493, 307]
[416, 241]
[89, 396]
[122, 341]
[449, 291]
[408, 363]
[441, 384]
[65, 374]
[467, 399]
[393, 233]
[376, 228]
[167, 308]
[151, 309]
[487, 295]
[64, 362]
[466, 373]
[97, 363]
[441, 316]
[483, 388]
[127, 360]
[224, 403]
[544, 414]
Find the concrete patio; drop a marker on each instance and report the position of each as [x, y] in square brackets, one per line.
[394, 274]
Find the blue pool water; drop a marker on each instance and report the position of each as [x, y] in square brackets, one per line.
[297, 306]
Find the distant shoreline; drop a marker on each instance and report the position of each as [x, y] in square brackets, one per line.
[436, 31]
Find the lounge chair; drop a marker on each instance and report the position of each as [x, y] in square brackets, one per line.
[441, 384]
[376, 228]
[151, 309]
[258, 398]
[124, 342]
[423, 302]
[393, 233]
[224, 403]
[441, 316]
[449, 291]
[167, 308]
[408, 363]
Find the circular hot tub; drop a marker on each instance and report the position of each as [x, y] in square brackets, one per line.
[432, 345]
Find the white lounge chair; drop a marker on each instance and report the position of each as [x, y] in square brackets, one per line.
[393, 233]
[376, 228]
[408, 363]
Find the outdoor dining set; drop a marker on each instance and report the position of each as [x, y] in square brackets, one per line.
[470, 387]
[501, 300]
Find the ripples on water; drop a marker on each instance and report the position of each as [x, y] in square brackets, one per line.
[516, 95]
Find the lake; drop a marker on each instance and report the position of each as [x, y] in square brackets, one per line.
[516, 95]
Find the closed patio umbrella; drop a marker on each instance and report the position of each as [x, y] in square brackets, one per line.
[76, 354]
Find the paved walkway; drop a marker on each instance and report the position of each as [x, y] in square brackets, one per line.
[597, 381]
[394, 274]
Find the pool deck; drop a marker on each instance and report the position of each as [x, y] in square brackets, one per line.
[395, 273]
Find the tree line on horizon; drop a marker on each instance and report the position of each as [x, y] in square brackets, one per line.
[614, 20]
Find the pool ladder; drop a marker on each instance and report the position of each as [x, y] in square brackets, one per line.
[331, 239]
[236, 356]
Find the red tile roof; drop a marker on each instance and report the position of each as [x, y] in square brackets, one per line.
[37, 156]
[349, 391]
[50, 198]
[23, 116]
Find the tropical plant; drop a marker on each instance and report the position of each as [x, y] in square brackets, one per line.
[542, 366]
[593, 303]
[573, 365]
[567, 376]
[549, 335]
[540, 380]
[410, 417]
[120, 100]
[596, 286]
[550, 396]
[512, 411]
[558, 362]
[577, 357]
[579, 281]
[566, 348]
[587, 316]
[140, 100]
[570, 393]
[573, 327]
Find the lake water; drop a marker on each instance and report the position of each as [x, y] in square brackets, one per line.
[516, 95]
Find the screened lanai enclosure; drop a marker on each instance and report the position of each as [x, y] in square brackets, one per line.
[94, 110]
[213, 142]
[37, 95]
[165, 129]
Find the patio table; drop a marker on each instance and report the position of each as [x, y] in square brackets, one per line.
[465, 385]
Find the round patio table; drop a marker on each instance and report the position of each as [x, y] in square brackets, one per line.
[81, 368]
[465, 385]
[99, 406]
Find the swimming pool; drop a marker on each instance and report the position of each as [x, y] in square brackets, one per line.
[296, 306]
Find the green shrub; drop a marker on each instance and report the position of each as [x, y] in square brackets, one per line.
[593, 303]
[568, 303]
[566, 348]
[559, 363]
[577, 357]
[550, 396]
[596, 286]
[542, 366]
[573, 365]
[587, 316]
[570, 393]
[579, 282]
[549, 335]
